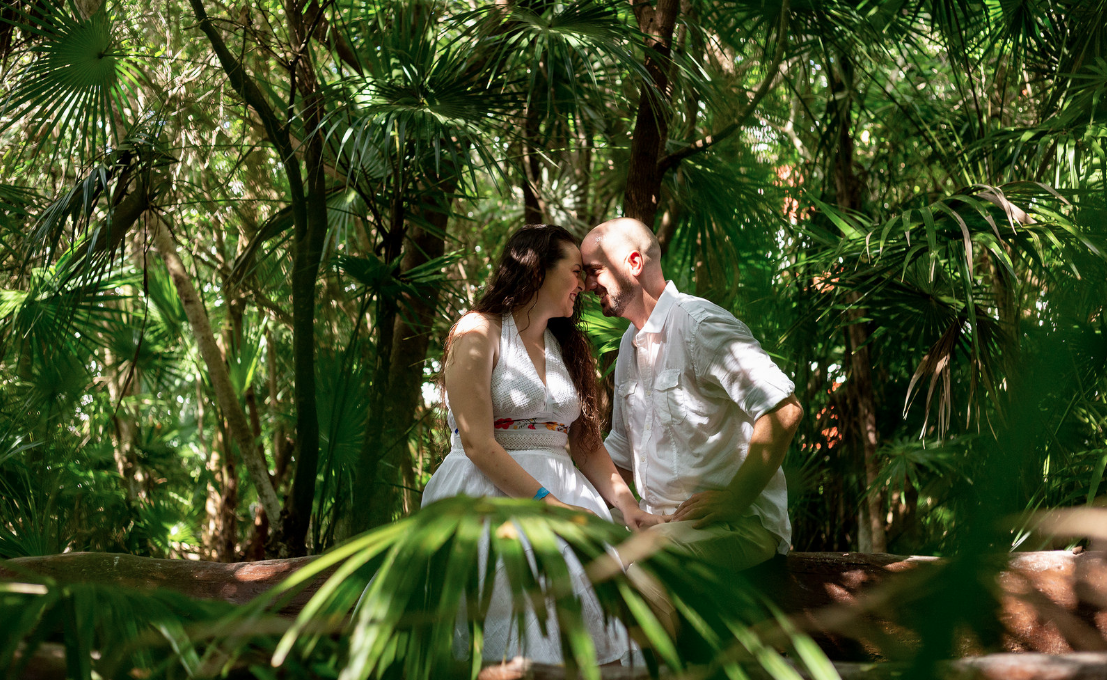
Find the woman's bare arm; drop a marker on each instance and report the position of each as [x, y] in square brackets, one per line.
[469, 384]
[598, 467]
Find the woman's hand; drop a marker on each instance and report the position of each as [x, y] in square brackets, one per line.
[638, 519]
[551, 500]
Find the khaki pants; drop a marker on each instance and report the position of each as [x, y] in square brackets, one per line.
[732, 547]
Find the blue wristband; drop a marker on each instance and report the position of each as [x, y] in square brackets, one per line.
[541, 493]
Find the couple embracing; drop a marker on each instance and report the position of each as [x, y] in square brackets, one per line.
[701, 419]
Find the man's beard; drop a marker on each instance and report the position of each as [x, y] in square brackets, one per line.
[614, 304]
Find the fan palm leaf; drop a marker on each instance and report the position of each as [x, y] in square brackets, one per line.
[77, 88]
[605, 332]
[554, 43]
[422, 102]
[59, 301]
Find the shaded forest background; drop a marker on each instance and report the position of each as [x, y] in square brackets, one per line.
[232, 238]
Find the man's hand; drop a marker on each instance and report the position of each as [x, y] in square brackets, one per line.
[772, 433]
[706, 508]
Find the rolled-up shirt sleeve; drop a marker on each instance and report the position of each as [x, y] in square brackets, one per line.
[617, 443]
[728, 357]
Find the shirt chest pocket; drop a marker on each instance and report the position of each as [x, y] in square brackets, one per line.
[625, 393]
[669, 398]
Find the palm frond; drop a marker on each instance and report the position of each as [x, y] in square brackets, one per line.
[419, 99]
[399, 592]
[605, 332]
[919, 273]
[78, 86]
[556, 43]
[106, 631]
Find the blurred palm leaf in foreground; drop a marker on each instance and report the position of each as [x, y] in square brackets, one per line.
[396, 592]
[105, 631]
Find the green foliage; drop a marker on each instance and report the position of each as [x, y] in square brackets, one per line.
[77, 81]
[396, 595]
[103, 631]
[394, 598]
[925, 183]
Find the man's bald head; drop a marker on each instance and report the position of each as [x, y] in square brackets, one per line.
[621, 236]
[623, 261]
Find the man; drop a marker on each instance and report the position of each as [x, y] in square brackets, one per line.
[702, 417]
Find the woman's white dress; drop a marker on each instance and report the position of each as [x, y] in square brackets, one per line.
[531, 422]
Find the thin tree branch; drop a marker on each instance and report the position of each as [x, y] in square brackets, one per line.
[328, 34]
[253, 96]
[701, 145]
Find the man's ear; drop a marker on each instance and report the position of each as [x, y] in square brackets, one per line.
[636, 262]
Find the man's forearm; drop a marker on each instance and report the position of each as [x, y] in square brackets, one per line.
[772, 435]
[751, 479]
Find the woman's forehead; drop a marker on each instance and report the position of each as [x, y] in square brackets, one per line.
[572, 253]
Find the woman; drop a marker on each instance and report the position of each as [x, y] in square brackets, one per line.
[520, 385]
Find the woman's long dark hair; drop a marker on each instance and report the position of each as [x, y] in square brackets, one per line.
[520, 272]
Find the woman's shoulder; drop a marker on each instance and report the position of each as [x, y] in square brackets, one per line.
[478, 325]
[479, 332]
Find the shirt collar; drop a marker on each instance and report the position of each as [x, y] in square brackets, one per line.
[660, 312]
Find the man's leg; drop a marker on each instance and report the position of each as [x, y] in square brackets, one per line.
[733, 546]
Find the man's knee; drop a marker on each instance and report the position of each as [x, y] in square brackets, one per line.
[732, 547]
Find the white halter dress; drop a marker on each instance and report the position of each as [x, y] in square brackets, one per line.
[532, 423]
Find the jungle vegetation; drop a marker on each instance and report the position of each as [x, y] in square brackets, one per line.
[233, 237]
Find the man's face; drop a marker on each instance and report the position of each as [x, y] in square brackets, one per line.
[605, 278]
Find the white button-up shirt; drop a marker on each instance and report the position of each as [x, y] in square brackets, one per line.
[688, 388]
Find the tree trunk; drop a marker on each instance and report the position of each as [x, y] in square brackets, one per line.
[309, 213]
[583, 171]
[123, 422]
[238, 426]
[651, 128]
[860, 383]
[366, 506]
[226, 544]
[532, 168]
[213, 526]
[307, 251]
[397, 397]
[671, 218]
[371, 496]
[209, 532]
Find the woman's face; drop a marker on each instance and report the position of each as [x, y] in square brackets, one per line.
[564, 282]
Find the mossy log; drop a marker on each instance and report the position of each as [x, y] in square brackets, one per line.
[49, 664]
[234, 582]
[1008, 666]
[852, 604]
